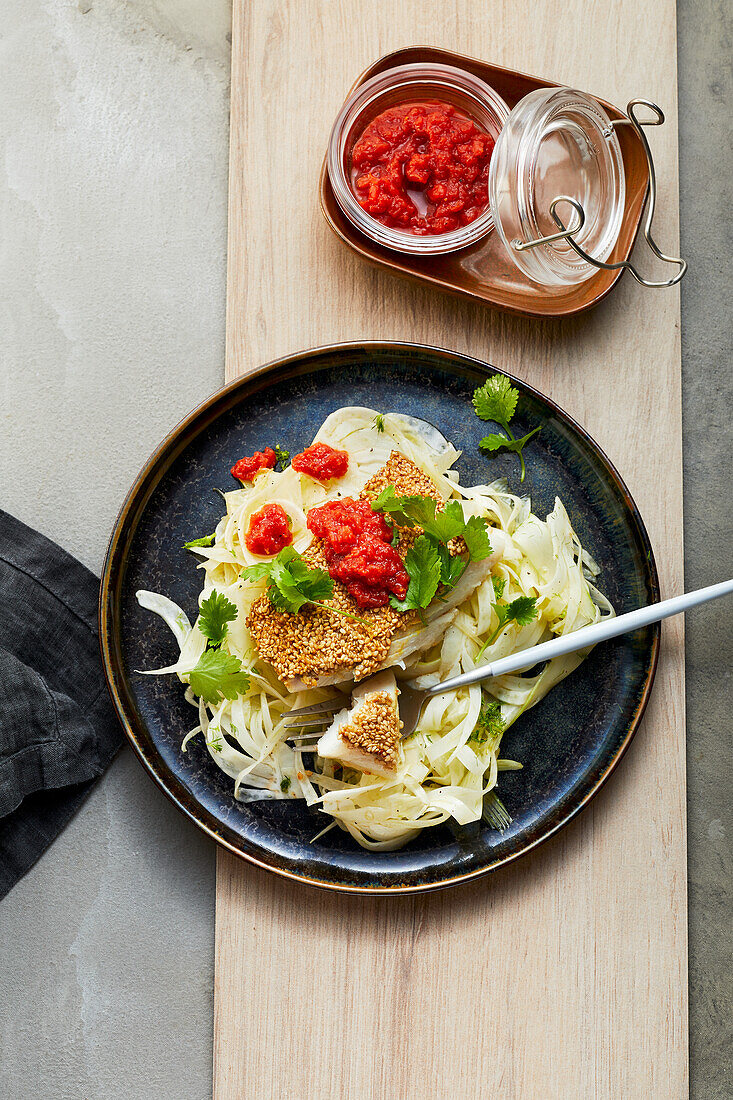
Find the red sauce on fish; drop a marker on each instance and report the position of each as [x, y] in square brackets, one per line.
[358, 550]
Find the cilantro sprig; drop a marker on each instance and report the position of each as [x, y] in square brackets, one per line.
[217, 674]
[497, 400]
[292, 583]
[378, 422]
[428, 561]
[522, 610]
[441, 526]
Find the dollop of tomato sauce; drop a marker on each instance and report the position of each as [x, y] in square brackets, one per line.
[269, 530]
[250, 465]
[321, 462]
[357, 547]
[422, 167]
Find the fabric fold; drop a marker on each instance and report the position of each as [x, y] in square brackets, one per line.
[58, 730]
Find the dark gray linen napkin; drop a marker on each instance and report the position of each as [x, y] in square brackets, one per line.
[58, 730]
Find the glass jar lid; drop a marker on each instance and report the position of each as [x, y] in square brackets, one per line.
[556, 153]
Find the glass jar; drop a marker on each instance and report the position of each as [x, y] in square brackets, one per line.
[557, 149]
[556, 170]
[403, 84]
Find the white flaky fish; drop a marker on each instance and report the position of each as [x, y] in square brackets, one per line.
[366, 735]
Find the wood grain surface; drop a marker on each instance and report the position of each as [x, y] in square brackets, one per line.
[564, 976]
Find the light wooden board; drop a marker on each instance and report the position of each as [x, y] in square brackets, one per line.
[564, 976]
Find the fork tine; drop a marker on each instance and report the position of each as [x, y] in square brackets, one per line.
[305, 722]
[327, 706]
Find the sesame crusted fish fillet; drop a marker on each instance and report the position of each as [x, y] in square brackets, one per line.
[315, 647]
[418, 635]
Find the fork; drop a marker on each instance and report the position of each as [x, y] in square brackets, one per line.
[412, 700]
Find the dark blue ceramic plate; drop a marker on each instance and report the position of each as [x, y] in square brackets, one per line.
[570, 743]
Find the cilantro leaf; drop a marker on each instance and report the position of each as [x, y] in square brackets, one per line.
[293, 583]
[523, 610]
[257, 571]
[445, 525]
[404, 510]
[218, 675]
[285, 783]
[441, 526]
[451, 567]
[496, 400]
[378, 422]
[476, 537]
[205, 540]
[489, 724]
[494, 442]
[422, 562]
[282, 456]
[215, 612]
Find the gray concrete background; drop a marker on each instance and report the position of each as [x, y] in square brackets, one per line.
[705, 53]
[112, 265]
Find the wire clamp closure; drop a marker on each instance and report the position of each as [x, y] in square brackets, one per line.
[566, 232]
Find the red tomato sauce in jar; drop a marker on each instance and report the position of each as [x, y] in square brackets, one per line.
[269, 530]
[250, 465]
[358, 550]
[423, 168]
[321, 462]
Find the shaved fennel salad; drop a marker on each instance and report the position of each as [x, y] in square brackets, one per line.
[450, 767]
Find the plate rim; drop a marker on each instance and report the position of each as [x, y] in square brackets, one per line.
[135, 501]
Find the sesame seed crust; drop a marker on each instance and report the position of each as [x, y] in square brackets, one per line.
[406, 477]
[315, 642]
[375, 729]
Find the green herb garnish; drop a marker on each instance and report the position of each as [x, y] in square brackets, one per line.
[282, 456]
[218, 675]
[489, 723]
[497, 400]
[433, 559]
[499, 584]
[292, 583]
[451, 567]
[215, 612]
[205, 540]
[216, 744]
[422, 562]
[522, 611]
[378, 422]
[440, 526]
[285, 783]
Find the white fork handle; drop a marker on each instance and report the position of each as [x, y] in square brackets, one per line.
[586, 636]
